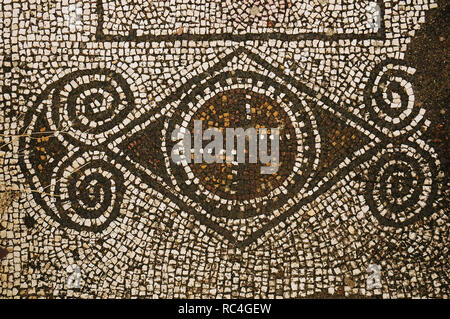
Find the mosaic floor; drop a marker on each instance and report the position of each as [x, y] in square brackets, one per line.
[92, 205]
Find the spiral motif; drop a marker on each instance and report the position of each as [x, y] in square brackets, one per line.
[90, 103]
[400, 189]
[88, 189]
[390, 98]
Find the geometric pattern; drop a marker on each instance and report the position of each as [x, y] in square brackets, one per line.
[93, 91]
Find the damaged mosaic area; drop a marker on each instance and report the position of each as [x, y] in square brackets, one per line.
[92, 205]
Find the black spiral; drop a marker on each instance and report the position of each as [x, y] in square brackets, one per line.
[400, 187]
[89, 196]
[387, 80]
[91, 102]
